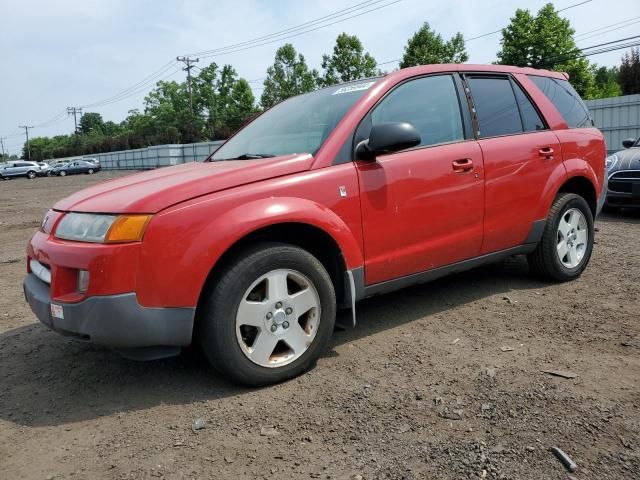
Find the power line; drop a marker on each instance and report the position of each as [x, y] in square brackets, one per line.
[606, 26]
[330, 16]
[74, 111]
[127, 92]
[609, 30]
[26, 131]
[466, 40]
[227, 52]
[189, 64]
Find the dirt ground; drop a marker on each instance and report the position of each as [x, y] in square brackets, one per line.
[422, 388]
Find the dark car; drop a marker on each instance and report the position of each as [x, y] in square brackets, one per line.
[623, 172]
[75, 167]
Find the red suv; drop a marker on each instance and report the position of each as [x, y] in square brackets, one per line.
[327, 198]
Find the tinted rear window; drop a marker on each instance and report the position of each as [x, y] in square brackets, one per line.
[496, 106]
[565, 99]
[531, 120]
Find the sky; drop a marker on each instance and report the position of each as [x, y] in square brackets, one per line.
[63, 53]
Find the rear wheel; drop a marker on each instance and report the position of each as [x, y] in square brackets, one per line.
[62, 173]
[567, 241]
[90, 171]
[269, 316]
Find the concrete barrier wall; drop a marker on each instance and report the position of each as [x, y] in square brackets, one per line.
[153, 157]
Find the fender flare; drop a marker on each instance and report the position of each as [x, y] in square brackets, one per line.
[200, 246]
[243, 220]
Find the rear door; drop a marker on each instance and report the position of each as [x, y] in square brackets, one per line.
[520, 153]
[422, 208]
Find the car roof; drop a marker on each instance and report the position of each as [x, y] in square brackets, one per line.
[467, 67]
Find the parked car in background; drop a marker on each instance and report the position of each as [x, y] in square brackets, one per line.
[45, 169]
[20, 168]
[95, 161]
[623, 171]
[327, 198]
[75, 167]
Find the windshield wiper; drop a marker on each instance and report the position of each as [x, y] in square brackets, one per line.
[251, 156]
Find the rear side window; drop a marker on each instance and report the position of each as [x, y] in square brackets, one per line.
[430, 104]
[531, 120]
[496, 106]
[565, 99]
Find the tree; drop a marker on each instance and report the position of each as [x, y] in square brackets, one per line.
[605, 82]
[545, 41]
[288, 76]
[630, 72]
[223, 99]
[91, 123]
[348, 62]
[427, 47]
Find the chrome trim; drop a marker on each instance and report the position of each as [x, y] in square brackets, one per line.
[623, 171]
[40, 271]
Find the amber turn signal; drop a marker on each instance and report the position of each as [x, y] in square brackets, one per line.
[127, 228]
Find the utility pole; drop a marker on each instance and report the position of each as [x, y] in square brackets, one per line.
[2, 145]
[74, 111]
[26, 131]
[189, 65]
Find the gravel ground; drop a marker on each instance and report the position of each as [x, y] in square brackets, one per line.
[443, 380]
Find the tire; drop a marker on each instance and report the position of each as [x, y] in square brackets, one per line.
[62, 173]
[233, 346]
[49, 174]
[549, 259]
[90, 171]
[31, 175]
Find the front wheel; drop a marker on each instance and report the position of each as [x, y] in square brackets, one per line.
[90, 171]
[62, 173]
[269, 316]
[567, 241]
[31, 174]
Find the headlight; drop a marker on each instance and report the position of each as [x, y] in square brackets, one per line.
[99, 228]
[611, 161]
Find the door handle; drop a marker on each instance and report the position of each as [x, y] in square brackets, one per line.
[546, 152]
[464, 165]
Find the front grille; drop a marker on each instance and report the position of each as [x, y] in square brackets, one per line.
[622, 182]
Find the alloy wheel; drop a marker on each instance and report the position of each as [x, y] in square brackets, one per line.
[572, 238]
[277, 319]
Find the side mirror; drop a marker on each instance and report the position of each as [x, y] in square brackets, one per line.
[628, 143]
[388, 138]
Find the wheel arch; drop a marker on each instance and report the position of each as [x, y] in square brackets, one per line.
[583, 186]
[307, 236]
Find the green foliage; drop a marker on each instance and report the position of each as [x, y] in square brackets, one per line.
[288, 76]
[348, 62]
[91, 124]
[605, 82]
[545, 41]
[427, 47]
[630, 72]
[221, 102]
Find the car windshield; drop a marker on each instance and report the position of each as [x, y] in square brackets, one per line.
[298, 125]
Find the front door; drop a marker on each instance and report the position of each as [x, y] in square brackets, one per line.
[422, 208]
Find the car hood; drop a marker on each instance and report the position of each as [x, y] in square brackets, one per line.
[152, 191]
[628, 159]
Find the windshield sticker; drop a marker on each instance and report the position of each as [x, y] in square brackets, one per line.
[353, 88]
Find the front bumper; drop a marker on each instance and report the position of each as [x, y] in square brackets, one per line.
[115, 321]
[624, 190]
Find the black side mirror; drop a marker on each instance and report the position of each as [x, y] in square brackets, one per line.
[388, 138]
[628, 143]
